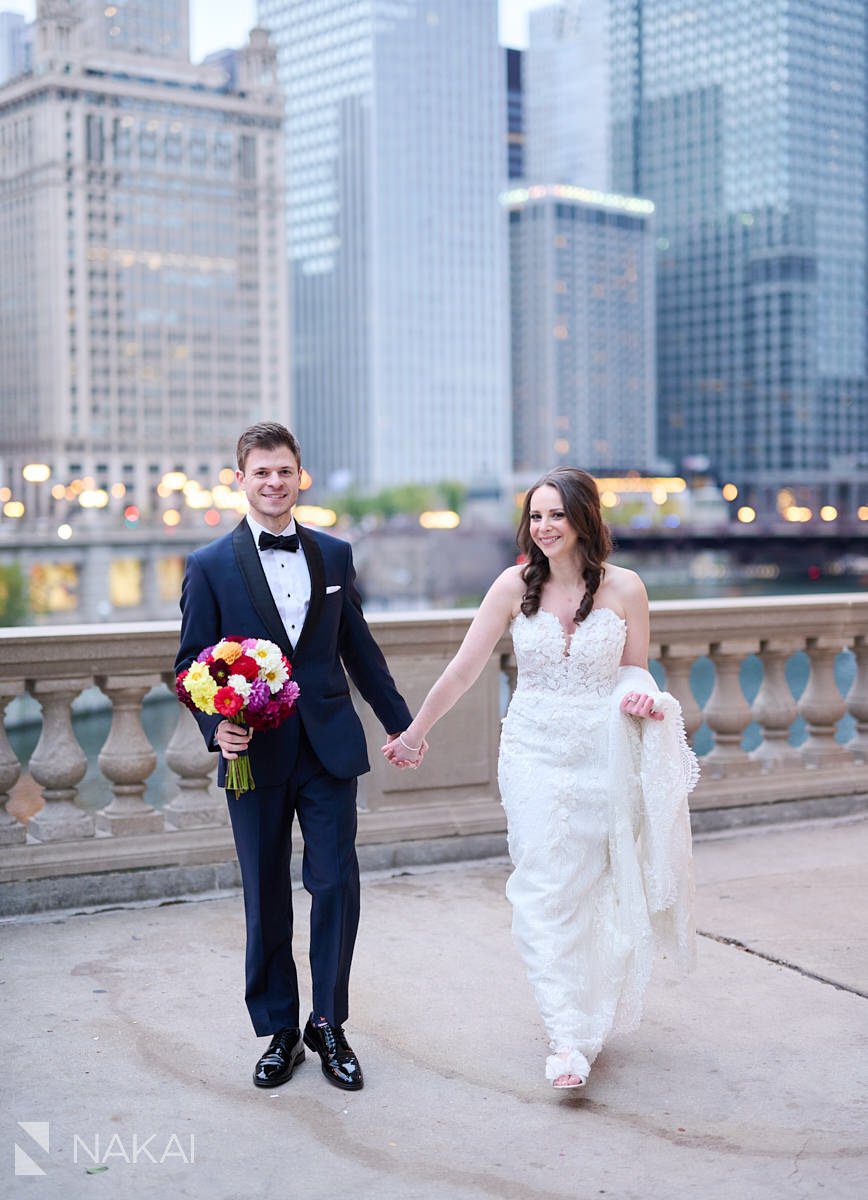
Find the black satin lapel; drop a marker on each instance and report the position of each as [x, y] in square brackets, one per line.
[247, 557]
[313, 557]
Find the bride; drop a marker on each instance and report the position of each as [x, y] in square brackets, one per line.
[594, 774]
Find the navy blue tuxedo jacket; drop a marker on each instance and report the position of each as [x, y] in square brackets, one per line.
[225, 593]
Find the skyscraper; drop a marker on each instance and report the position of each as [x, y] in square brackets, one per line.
[144, 280]
[745, 122]
[515, 138]
[583, 362]
[14, 46]
[567, 94]
[395, 158]
[156, 28]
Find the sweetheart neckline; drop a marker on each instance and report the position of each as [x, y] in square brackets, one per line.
[568, 639]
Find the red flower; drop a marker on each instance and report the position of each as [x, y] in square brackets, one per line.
[182, 693]
[227, 701]
[245, 666]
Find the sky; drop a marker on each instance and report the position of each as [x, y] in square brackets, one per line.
[215, 24]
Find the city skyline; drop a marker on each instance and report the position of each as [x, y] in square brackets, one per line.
[219, 24]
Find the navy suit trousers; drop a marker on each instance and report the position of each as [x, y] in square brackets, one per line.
[262, 827]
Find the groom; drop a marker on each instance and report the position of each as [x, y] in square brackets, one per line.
[274, 579]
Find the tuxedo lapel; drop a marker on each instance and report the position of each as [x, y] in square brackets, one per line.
[313, 557]
[247, 558]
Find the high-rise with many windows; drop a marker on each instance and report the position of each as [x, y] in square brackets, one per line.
[14, 45]
[745, 122]
[142, 237]
[582, 289]
[567, 101]
[395, 158]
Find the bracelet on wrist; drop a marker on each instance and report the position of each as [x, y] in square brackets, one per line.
[412, 749]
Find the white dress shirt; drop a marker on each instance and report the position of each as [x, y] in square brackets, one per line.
[288, 578]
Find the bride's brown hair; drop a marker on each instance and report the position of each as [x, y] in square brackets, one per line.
[581, 501]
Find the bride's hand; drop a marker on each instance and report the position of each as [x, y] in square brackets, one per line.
[397, 752]
[639, 704]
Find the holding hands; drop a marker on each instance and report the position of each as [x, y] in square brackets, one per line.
[403, 754]
[639, 704]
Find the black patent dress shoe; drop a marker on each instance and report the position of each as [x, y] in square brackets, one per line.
[284, 1053]
[339, 1064]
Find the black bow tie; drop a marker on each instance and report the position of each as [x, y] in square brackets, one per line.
[280, 541]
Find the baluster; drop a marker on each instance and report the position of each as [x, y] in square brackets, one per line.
[12, 832]
[127, 758]
[857, 699]
[775, 708]
[677, 662]
[822, 705]
[195, 803]
[510, 669]
[58, 764]
[728, 713]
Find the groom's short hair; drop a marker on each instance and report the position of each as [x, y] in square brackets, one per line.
[265, 435]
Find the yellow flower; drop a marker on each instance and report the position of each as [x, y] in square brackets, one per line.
[197, 673]
[228, 651]
[203, 693]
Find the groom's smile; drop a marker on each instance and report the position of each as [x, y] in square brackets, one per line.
[270, 480]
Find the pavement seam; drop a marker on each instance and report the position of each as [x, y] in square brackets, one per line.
[781, 962]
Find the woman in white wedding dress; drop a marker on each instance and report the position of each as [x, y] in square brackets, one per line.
[594, 774]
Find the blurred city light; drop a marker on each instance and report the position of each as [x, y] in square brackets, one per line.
[226, 476]
[58, 491]
[131, 514]
[439, 519]
[746, 514]
[36, 472]
[305, 481]
[64, 532]
[174, 480]
[119, 490]
[730, 491]
[828, 513]
[673, 484]
[862, 512]
[212, 517]
[171, 517]
[94, 498]
[312, 514]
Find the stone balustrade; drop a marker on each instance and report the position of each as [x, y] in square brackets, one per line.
[451, 806]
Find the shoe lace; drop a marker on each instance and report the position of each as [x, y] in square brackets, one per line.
[335, 1040]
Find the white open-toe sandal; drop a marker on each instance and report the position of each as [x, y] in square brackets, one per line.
[567, 1063]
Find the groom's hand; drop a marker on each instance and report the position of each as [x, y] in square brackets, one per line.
[232, 739]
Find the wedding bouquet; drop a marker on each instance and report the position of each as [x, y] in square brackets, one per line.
[247, 681]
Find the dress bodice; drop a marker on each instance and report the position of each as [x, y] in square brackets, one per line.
[586, 663]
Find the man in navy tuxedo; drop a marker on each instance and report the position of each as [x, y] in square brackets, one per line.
[273, 579]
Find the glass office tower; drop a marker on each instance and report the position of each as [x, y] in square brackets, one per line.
[395, 158]
[745, 122]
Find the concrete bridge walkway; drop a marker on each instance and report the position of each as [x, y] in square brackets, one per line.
[746, 1080]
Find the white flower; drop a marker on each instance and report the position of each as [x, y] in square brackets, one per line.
[241, 685]
[275, 675]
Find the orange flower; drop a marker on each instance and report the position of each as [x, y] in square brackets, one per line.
[228, 651]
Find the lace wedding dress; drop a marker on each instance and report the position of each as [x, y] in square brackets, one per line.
[599, 834]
